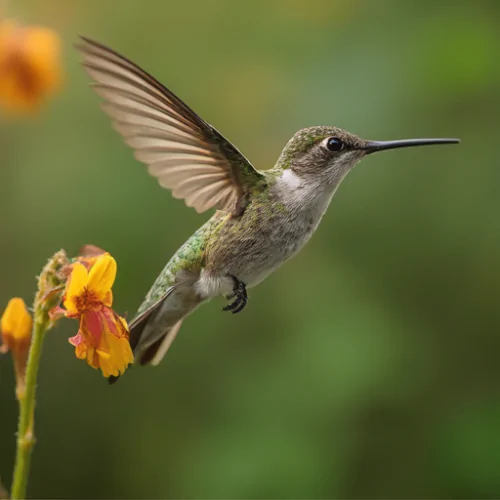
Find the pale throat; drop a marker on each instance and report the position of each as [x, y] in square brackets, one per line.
[306, 192]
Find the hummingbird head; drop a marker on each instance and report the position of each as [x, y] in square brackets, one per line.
[329, 153]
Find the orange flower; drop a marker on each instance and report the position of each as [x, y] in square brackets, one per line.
[29, 65]
[103, 335]
[15, 327]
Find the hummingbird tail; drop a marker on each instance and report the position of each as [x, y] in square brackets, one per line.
[154, 330]
[136, 328]
[156, 352]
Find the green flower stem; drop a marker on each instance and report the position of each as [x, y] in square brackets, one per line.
[49, 294]
[25, 430]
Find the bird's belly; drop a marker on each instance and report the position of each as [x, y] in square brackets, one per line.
[250, 268]
[255, 270]
[266, 254]
[254, 246]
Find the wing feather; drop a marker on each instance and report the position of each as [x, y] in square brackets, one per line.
[185, 154]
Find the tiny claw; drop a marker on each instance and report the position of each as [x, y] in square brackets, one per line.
[241, 297]
[240, 306]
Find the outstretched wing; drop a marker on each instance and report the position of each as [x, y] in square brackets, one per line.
[185, 153]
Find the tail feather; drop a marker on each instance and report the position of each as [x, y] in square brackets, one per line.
[166, 343]
[156, 352]
[153, 330]
[139, 322]
[137, 326]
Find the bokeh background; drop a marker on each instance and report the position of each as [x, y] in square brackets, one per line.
[366, 367]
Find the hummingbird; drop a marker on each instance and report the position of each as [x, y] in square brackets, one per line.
[262, 218]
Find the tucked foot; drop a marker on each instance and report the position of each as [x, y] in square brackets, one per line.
[240, 297]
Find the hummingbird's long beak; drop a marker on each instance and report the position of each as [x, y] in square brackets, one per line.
[374, 146]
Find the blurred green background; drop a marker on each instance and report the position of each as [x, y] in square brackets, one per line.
[366, 367]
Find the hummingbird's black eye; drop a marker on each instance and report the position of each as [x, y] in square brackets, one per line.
[334, 144]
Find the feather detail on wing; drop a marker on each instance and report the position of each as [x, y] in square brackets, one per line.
[185, 154]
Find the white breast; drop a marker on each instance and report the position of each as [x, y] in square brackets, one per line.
[290, 181]
[305, 202]
[309, 198]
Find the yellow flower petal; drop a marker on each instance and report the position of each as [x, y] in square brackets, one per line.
[29, 64]
[44, 53]
[108, 299]
[103, 354]
[16, 322]
[81, 351]
[120, 356]
[102, 276]
[15, 327]
[78, 280]
[104, 343]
